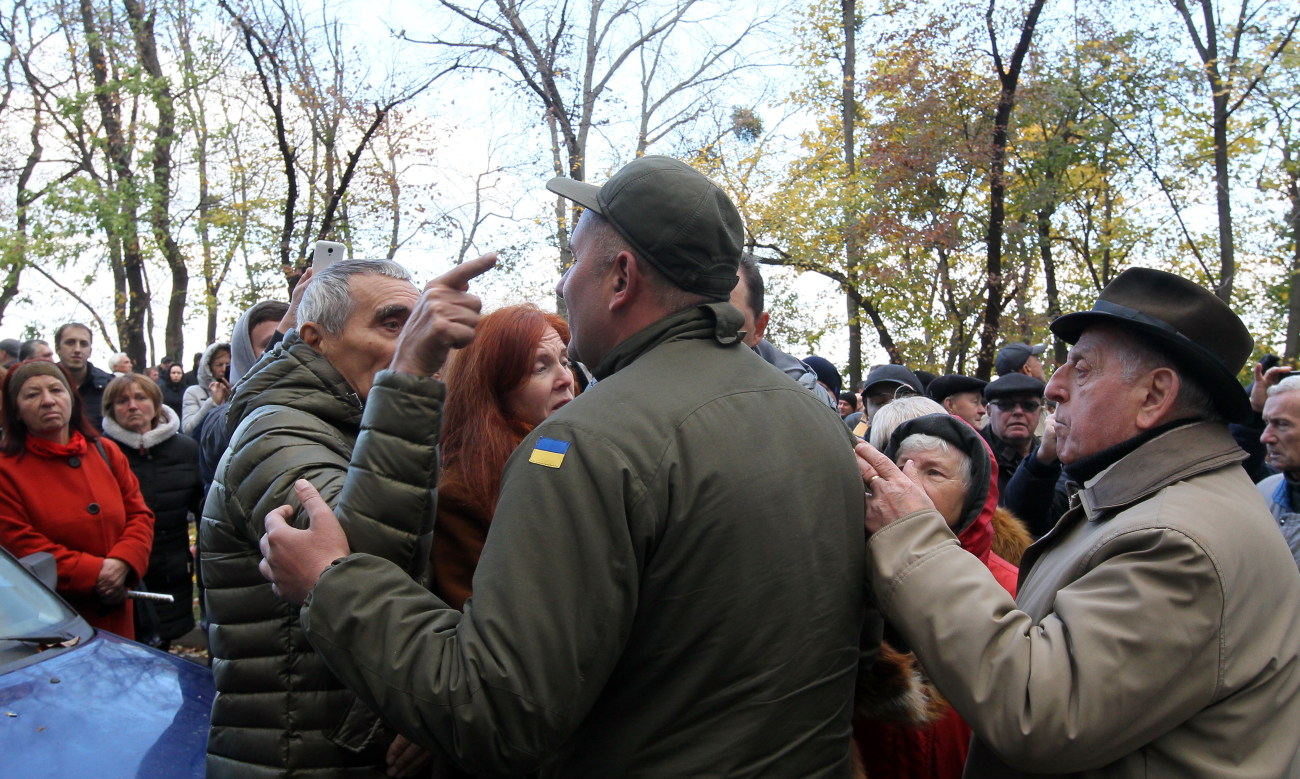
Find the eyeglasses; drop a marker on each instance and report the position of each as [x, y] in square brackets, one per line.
[1008, 405]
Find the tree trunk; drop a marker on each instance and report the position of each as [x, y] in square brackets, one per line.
[1009, 79]
[852, 243]
[160, 202]
[1044, 221]
[1293, 222]
[125, 233]
[1223, 196]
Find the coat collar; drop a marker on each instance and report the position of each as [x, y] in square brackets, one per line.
[167, 428]
[1181, 453]
[719, 321]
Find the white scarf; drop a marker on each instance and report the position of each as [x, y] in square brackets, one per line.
[168, 427]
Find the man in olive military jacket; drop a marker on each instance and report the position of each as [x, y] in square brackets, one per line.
[674, 584]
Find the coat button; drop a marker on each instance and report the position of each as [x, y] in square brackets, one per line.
[75, 462]
[93, 508]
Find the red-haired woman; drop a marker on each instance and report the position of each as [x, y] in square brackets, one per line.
[514, 374]
[68, 491]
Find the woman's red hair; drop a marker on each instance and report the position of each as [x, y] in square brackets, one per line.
[478, 432]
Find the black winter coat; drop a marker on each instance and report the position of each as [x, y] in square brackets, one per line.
[167, 465]
[173, 394]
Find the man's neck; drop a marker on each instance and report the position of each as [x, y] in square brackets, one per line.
[78, 376]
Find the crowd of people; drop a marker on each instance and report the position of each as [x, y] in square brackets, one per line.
[638, 538]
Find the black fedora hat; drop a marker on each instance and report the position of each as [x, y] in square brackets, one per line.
[1180, 319]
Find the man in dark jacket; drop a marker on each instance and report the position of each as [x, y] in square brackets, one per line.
[73, 343]
[1015, 404]
[747, 297]
[323, 407]
[669, 585]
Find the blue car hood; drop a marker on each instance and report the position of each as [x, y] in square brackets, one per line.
[107, 708]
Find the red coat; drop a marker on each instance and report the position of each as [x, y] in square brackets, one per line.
[81, 511]
[938, 750]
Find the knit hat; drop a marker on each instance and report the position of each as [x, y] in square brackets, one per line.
[20, 373]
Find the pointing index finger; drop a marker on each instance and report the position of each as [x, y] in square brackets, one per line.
[459, 277]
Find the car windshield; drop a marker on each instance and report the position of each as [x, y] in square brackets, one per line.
[30, 615]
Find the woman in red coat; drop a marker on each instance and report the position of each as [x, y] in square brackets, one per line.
[66, 491]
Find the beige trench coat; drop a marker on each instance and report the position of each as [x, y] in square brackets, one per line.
[1156, 631]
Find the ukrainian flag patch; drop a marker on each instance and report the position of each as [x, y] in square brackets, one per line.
[549, 452]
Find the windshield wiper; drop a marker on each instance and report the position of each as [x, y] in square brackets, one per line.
[36, 638]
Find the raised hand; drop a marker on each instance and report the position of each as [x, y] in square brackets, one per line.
[891, 494]
[443, 320]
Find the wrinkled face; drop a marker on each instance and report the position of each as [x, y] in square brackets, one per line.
[45, 407]
[585, 296]
[1097, 407]
[939, 473]
[220, 365]
[1015, 418]
[43, 352]
[380, 307]
[74, 348]
[967, 405]
[1282, 432]
[176, 373]
[134, 410]
[549, 385]
[122, 366]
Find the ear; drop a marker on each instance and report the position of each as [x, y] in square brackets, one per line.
[1159, 395]
[947, 404]
[311, 334]
[760, 326]
[626, 280]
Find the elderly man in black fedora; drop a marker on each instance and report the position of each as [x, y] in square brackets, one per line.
[1156, 630]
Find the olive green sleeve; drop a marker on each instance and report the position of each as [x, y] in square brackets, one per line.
[555, 594]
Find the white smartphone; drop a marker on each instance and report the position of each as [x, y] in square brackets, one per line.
[325, 254]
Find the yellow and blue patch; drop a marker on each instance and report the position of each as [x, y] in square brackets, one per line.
[549, 452]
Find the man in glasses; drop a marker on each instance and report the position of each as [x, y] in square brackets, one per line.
[1015, 404]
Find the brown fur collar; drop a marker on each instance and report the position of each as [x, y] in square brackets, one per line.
[1010, 538]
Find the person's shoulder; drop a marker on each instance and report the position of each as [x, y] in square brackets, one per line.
[180, 445]
[98, 377]
[1268, 486]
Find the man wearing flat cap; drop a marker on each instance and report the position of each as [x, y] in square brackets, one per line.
[1156, 629]
[675, 580]
[961, 396]
[1015, 404]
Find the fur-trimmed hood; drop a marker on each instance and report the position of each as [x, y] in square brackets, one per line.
[168, 427]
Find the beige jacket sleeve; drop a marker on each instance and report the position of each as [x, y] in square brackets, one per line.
[1128, 650]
